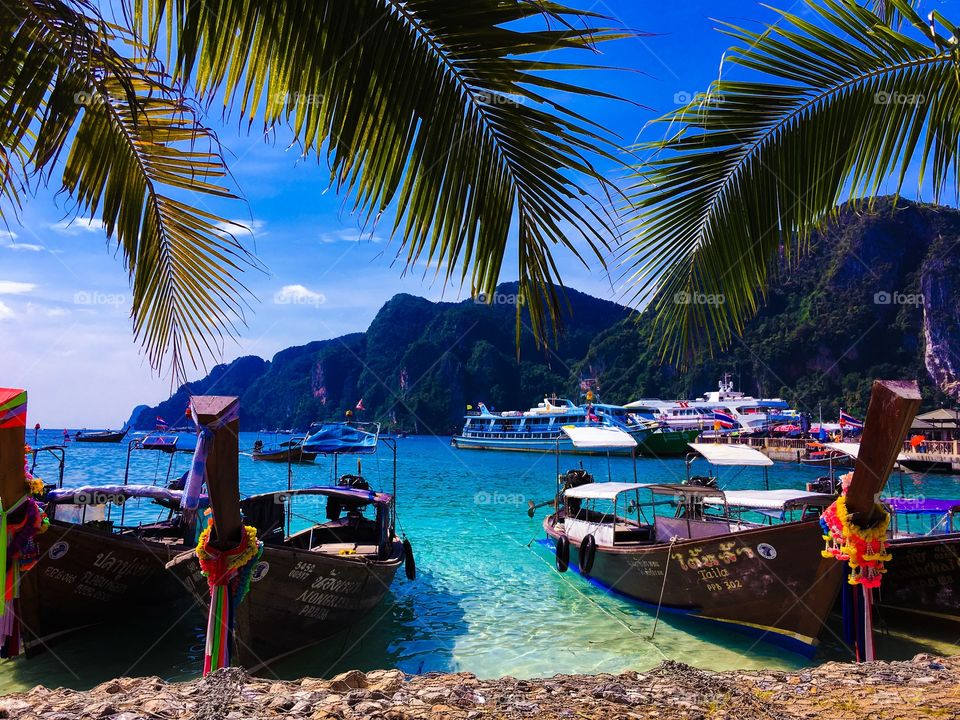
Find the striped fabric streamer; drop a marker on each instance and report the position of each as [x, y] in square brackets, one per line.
[190, 500]
[13, 408]
[217, 649]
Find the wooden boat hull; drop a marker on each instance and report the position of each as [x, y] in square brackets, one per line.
[102, 437]
[85, 577]
[297, 599]
[771, 582]
[296, 457]
[923, 577]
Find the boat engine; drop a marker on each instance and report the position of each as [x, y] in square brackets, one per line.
[353, 481]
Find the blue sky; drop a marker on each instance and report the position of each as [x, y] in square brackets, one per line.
[65, 331]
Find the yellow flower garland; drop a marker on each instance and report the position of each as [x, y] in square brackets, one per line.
[233, 561]
[863, 549]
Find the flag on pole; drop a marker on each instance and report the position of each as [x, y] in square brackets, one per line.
[161, 423]
[850, 420]
[360, 405]
[724, 419]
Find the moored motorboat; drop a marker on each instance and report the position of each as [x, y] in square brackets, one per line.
[290, 451]
[304, 585]
[105, 551]
[101, 436]
[701, 561]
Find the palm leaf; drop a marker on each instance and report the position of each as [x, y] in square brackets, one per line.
[828, 110]
[136, 158]
[441, 111]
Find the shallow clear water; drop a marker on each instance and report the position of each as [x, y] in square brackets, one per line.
[487, 598]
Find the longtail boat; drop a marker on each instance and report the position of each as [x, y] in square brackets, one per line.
[101, 436]
[106, 550]
[291, 452]
[701, 561]
[305, 586]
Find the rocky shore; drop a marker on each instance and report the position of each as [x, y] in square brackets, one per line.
[925, 687]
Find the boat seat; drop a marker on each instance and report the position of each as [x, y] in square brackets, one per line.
[624, 532]
[346, 549]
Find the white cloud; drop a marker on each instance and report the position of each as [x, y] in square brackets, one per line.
[77, 226]
[338, 236]
[298, 295]
[240, 228]
[12, 287]
[5, 312]
[8, 241]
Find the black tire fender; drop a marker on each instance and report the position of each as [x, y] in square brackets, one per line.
[563, 553]
[588, 553]
[409, 562]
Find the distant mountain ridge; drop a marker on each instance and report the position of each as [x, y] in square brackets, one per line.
[878, 295]
[419, 362]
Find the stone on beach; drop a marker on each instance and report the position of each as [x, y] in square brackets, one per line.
[926, 686]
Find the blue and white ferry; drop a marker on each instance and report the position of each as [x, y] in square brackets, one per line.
[539, 428]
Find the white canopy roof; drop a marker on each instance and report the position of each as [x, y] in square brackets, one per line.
[853, 449]
[717, 454]
[600, 437]
[764, 499]
[602, 491]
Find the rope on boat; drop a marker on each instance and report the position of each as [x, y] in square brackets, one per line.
[663, 585]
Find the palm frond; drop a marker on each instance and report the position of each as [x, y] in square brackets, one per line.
[443, 111]
[829, 110]
[136, 158]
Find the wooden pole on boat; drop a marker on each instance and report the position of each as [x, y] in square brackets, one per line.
[223, 469]
[893, 405]
[13, 436]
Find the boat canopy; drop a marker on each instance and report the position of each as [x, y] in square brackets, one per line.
[602, 491]
[341, 492]
[771, 499]
[716, 454]
[923, 506]
[343, 438]
[168, 442]
[101, 494]
[599, 437]
[852, 449]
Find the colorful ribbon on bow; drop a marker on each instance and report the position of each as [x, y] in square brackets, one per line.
[13, 409]
[228, 574]
[190, 500]
[18, 553]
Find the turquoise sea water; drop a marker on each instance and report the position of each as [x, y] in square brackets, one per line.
[487, 598]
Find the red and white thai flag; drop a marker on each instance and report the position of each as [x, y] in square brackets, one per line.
[850, 420]
[161, 423]
[360, 405]
[726, 420]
